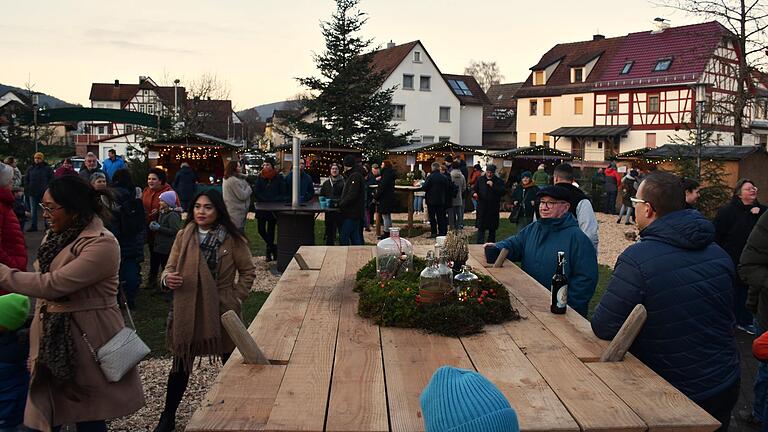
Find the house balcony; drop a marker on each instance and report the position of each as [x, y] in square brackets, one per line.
[85, 138]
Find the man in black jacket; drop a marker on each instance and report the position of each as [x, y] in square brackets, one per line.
[90, 166]
[437, 188]
[352, 203]
[185, 184]
[489, 190]
[35, 183]
[332, 189]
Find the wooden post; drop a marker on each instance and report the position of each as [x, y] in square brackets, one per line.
[300, 261]
[377, 218]
[502, 257]
[626, 336]
[243, 341]
[410, 212]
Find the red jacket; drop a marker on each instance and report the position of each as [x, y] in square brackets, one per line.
[760, 347]
[13, 250]
[151, 200]
[612, 172]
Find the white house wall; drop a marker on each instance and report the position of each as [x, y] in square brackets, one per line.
[471, 125]
[422, 108]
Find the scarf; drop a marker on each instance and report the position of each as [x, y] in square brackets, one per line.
[57, 349]
[268, 173]
[195, 327]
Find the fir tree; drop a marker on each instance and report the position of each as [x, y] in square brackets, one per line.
[350, 107]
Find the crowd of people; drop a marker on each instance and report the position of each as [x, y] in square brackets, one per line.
[699, 280]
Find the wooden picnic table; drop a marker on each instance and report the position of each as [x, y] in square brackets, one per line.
[335, 371]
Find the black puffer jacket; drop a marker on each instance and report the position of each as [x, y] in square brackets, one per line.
[437, 187]
[489, 202]
[352, 202]
[385, 193]
[753, 270]
[733, 224]
[684, 281]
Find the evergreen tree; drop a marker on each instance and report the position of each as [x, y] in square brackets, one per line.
[350, 107]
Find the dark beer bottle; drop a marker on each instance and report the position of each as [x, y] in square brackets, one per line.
[559, 287]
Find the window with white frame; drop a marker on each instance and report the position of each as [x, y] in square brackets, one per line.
[398, 112]
[445, 114]
[128, 128]
[145, 93]
[427, 139]
[425, 83]
[407, 82]
[150, 109]
[578, 75]
[101, 130]
[613, 105]
[141, 108]
[417, 56]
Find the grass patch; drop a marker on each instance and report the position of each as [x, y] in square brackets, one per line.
[258, 247]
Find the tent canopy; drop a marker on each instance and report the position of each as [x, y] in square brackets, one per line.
[538, 152]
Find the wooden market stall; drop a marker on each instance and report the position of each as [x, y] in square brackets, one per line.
[511, 163]
[421, 155]
[318, 156]
[205, 154]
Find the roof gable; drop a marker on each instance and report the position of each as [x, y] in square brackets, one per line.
[689, 48]
[386, 60]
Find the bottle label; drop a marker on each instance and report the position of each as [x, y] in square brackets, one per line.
[562, 296]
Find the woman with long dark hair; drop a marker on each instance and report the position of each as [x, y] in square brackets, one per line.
[76, 288]
[207, 254]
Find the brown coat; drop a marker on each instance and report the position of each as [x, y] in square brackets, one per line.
[86, 272]
[234, 258]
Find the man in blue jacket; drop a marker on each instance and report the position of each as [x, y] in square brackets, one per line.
[112, 163]
[537, 245]
[306, 186]
[684, 281]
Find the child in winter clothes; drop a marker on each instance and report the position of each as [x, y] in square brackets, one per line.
[14, 348]
[167, 225]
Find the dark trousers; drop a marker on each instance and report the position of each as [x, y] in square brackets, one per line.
[178, 380]
[610, 203]
[157, 262]
[267, 230]
[351, 233]
[91, 426]
[743, 316]
[438, 220]
[720, 405]
[130, 279]
[333, 223]
[481, 235]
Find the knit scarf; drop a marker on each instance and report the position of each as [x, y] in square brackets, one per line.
[195, 328]
[57, 349]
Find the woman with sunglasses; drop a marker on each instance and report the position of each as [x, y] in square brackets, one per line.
[205, 258]
[76, 287]
[733, 224]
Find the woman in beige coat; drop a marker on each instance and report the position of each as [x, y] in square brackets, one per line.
[237, 194]
[206, 255]
[76, 286]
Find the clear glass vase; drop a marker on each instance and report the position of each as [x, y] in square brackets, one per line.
[394, 255]
[466, 282]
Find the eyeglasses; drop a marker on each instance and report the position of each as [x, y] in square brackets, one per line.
[48, 210]
[636, 201]
[549, 204]
[752, 189]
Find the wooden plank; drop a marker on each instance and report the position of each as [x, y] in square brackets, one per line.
[660, 405]
[498, 358]
[571, 328]
[589, 400]
[410, 359]
[240, 399]
[303, 396]
[279, 320]
[626, 335]
[313, 256]
[358, 399]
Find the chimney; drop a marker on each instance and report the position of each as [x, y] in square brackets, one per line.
[142, 78]
[390, 44]
[598, 37]
[117, 83]
[660, 24]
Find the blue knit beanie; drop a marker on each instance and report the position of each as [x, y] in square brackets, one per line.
[459, 400]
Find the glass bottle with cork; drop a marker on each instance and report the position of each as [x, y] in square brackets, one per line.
[559, 287]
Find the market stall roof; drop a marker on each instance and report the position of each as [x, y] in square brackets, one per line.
[541, 152]
[632, 154]
[320, 144]
[725, 152]
[198, 139]
[596, 132]
[444, 146]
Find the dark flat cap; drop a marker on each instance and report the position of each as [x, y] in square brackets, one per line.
[556, 192]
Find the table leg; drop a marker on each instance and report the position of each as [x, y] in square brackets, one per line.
[377, 218]
[410, 213]
[293, 232]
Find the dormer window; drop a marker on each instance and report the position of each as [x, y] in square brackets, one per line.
[627, 67]
[662, 65]
[577, 75]
[417, 56]
[538, 78]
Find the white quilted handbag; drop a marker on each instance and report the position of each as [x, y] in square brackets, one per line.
[121, 353]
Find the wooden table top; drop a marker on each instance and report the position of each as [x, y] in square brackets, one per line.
[335, 371]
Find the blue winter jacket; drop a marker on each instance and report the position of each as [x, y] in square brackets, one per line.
[14, 378]
[536, 246]
[684, 281]
[110, 167]
[306, 187]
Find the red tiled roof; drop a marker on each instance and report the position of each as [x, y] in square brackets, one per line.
[501, 116]
[689, 47]
[478, 95]
[125, 92]
[572, 54]
[503, 94]
[386, 60]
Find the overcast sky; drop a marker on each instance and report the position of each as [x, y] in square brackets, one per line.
[258, 47]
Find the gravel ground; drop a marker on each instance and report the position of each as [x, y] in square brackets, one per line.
[154, 372]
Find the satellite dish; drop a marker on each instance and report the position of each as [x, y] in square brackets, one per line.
[661, 20]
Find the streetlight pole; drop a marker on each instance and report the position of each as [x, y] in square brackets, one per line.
[35, 100]
[700, 89]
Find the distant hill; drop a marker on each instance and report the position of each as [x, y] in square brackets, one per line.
[265, 111]
[45, 100]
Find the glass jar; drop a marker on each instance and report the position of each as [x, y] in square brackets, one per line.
[446, 274]
[430, 287]
[466, 282]
[394, 255]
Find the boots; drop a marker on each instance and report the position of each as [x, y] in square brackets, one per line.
[167, 423]
[268, 256]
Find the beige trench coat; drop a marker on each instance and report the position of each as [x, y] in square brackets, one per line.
[234, 259]
[86, 272]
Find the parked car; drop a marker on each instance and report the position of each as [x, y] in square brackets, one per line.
[77, 162]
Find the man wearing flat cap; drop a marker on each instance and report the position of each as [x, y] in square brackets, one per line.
[536, 247]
